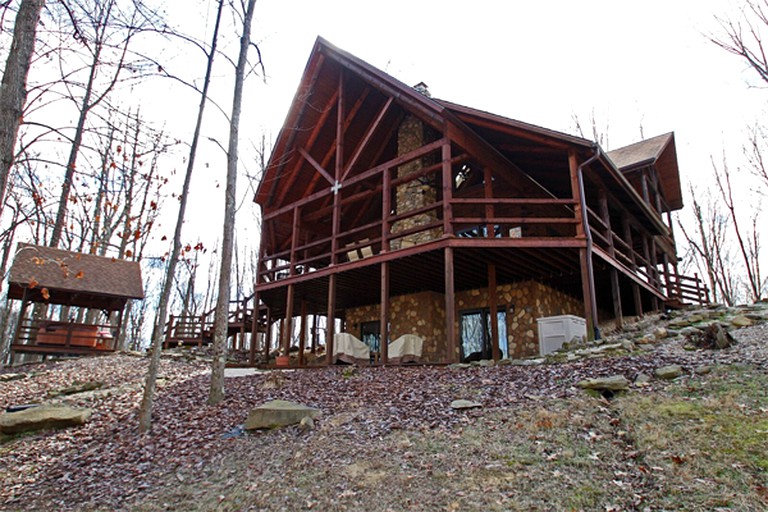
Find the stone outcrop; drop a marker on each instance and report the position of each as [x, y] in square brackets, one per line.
[613, 383]
[279, 413]
[670, 372]
[43, 417]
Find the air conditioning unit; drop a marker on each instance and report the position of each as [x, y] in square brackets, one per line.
[554, 331]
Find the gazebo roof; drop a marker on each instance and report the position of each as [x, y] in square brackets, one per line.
[57, 276]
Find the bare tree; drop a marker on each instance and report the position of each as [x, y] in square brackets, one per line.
[13, 93]
[745, 36]
[145, 411]
[747, 248]
[100, 27]
[216, 393]
[708, 245]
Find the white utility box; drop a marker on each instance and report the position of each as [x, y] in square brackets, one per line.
[556, 330]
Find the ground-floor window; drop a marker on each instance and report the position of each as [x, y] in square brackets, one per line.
[370, 334]
[475, 328]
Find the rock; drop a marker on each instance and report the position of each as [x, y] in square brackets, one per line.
[465, 404]
[628, 345]
[642, 379]
[645, 346]
[702, 370]
[741, 321]
[613, 383]
[690, 331]
[307, 423]
[44, 417]
[459, 366]
[78, 387]
[484, 362]
[7, 377]
[660, 333]
[670, 372]
[504, 362]
[279, 413]
[723, 338]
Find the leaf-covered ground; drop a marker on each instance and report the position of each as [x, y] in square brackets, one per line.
[388, 439]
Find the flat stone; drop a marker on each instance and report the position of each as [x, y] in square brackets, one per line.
[7, 377]
[613, 383]
[242, 372]
[74, 389]
[660, 333]
[741, 321]
[702, 370]
[465, 404]
[670, 372]
[279, 413]
[44, 417]
[459, 366]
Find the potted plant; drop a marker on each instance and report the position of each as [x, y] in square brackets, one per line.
[282, 359]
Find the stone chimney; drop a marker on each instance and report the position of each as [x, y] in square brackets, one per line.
[420, 192]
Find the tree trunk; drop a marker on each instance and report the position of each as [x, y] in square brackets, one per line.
[13, 93]
[216, 394]
[145, 411]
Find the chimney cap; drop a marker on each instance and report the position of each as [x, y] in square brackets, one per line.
[423, 89]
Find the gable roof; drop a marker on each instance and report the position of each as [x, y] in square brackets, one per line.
[73, 278]
[658, 152]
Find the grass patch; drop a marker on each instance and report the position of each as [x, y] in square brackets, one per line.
[705, 440]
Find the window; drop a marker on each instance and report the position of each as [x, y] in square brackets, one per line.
[475, 328]
[370, 334]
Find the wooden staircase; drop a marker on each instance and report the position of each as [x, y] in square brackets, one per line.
[197, 330]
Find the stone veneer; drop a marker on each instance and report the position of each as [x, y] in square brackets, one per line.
[423, 314]
[415, 194]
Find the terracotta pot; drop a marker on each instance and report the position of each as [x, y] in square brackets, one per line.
[283, 361]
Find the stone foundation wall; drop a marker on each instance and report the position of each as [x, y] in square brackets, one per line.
[423, 314]
[525, 302]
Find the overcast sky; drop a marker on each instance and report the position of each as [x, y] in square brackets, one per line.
[633, 64]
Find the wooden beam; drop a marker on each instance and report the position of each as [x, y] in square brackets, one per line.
[254, 328]
[585, 254]
[367, 137]
[616, 296]
[287, 330]
[447, 189]
[453, 342]
[268, 336]
[331, 319]
[384, 314]
[302, 331]
[317, 166]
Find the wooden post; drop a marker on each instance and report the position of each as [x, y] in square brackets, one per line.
[287, 330]
[20, 322]
[302, 331]
[450, 309]
[585, 254]
[386, 208]
[254, 329]
[331, 315]
[447, 192]
[294, 240]
[493, 306]
[635, 287]
[268, 336]
[168, 332]
[313, 348]
[384, 314]
[605, 215]
[488, 194]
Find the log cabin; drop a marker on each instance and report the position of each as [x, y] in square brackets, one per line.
[394, 213]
